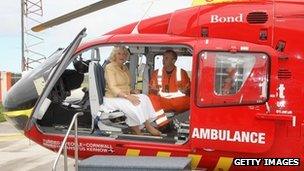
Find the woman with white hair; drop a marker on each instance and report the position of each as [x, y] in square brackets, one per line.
[119, 96]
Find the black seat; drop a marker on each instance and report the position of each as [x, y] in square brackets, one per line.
[97, 85]
[72, 79]
[101, 81]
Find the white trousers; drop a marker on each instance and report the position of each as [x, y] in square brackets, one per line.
[136, 115]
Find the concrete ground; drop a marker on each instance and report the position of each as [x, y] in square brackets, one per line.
[17, 153]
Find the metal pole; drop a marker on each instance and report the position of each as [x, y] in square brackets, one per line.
[22, 37]
[63, 147]
[65, 157]
[76, 144]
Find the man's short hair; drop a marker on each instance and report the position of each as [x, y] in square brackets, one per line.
[173, 53]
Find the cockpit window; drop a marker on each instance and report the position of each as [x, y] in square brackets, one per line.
[232, 78]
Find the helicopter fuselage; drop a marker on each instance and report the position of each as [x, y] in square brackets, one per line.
[260, 118]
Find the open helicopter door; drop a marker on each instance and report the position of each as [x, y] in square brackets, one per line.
[231, 89]
[44, 102]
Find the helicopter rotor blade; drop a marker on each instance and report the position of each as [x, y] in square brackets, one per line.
[78, 13]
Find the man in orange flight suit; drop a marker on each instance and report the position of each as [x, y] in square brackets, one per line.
[170, 86]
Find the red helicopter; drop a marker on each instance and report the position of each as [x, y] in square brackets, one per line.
[244, 59]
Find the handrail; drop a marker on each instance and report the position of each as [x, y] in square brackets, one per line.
[63, 145]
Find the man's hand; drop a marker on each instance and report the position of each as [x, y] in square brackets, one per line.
[154, 89]
[185, 90]
[133, 99]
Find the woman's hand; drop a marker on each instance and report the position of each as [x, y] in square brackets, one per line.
[133, 99]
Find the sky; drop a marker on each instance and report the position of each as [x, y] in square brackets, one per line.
[97, 24]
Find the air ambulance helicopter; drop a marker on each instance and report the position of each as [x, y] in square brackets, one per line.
[261, 116]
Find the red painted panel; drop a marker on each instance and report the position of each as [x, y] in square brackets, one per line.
[0, 87]
[184, 23]
[229, 21]
[184, 28]
[8, 80]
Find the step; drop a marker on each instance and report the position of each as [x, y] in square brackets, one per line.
[130, 163]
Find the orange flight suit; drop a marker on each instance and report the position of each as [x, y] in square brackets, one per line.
[170, 84]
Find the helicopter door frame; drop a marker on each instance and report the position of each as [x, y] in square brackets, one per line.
[43, 102]
[224, 122]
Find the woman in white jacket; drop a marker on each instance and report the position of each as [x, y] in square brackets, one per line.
[119, 96]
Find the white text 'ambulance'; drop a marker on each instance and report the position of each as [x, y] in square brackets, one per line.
[227, 135]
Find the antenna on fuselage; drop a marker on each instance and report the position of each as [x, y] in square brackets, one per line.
[135, 30]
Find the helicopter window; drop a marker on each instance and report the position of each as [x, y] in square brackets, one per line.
[140, 73]
[103, 53]
[231, 73]
[87, 55]
[184, 62]
[231, 79]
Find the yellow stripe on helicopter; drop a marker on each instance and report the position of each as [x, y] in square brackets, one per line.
[16, 113]
[11, 137]
[163, 154]
[195, 159]
[223, 164]
[132, 152]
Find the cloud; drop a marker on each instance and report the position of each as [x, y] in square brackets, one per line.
[10, 18]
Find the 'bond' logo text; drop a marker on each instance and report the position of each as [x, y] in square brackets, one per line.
[226, 19]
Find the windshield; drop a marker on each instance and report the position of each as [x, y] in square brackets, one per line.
[24, 93]
[49, 63]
